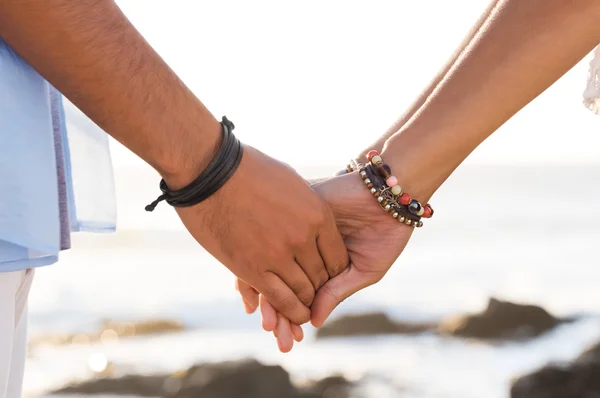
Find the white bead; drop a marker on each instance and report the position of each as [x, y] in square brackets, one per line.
[380, 198]
[402, 219]
[376, 159]
[408, 222]
[397, 190]
[387, 207]
[395, 215]
[373, 190]
[367, 181]
[363, 174]
[421, 211]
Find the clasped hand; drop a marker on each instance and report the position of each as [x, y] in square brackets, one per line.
[373, 239]
[273, 231]
[295, 249]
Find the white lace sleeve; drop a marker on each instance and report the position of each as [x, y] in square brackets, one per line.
[591, 96]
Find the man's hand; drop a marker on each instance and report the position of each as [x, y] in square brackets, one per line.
[273, 231]
[374, 241]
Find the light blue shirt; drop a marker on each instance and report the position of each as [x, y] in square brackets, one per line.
[29, 223]
[29, 210]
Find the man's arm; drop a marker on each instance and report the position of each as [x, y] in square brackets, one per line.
[91, 52]
[284, 242]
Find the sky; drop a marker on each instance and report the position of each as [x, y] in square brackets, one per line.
[313, 82]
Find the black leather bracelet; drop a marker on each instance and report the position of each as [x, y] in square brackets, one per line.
[217, 173]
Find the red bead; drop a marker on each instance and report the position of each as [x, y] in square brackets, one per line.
[371, 153]
[404, 199]
[428, 206]
[427, 212]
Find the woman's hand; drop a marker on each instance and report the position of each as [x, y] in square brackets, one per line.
[374, 240]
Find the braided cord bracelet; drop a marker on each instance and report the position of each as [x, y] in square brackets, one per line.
[217, 173]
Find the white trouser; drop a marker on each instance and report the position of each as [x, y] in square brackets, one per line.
[14, 289]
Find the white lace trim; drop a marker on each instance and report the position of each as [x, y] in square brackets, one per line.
[591, 96]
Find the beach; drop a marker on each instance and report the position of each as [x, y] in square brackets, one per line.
[449, 268]
[312, 85]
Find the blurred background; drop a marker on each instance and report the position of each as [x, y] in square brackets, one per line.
[312, 83]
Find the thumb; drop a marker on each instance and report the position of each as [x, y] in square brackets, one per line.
[338, 289]
[249, 295]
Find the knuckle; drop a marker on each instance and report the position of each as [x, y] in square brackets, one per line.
[286, 304]
[317, 215]
[307, 296]
[276, 252]
[300, 239]
[338, 266]
[256, 267]
[322, 278]
[301, 319]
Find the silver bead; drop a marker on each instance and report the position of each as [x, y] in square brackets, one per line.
[367, 181]
[408, 222]
[373, 190]
[419, 224]
[395, 215]
[402, 219]
[387, 207]
[363, 174]
[380, 199]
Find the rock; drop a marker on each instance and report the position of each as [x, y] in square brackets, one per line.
[580, 379]
[144, 386]
[369, 325]
[502, 320]
[553, 381]
[329, 387]
[248, 379]
[590, 355]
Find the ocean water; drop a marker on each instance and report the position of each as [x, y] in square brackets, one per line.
[533, 237]
[311, 83]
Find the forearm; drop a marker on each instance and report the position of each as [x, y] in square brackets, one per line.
[95, 57]
[522, 49]
[420, 100]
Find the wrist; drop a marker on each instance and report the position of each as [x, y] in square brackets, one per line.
[179, 168]
[419, 170]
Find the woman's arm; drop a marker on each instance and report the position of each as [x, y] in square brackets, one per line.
[521, 50]
[416, 105]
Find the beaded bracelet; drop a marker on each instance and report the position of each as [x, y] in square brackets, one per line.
[378, 177]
